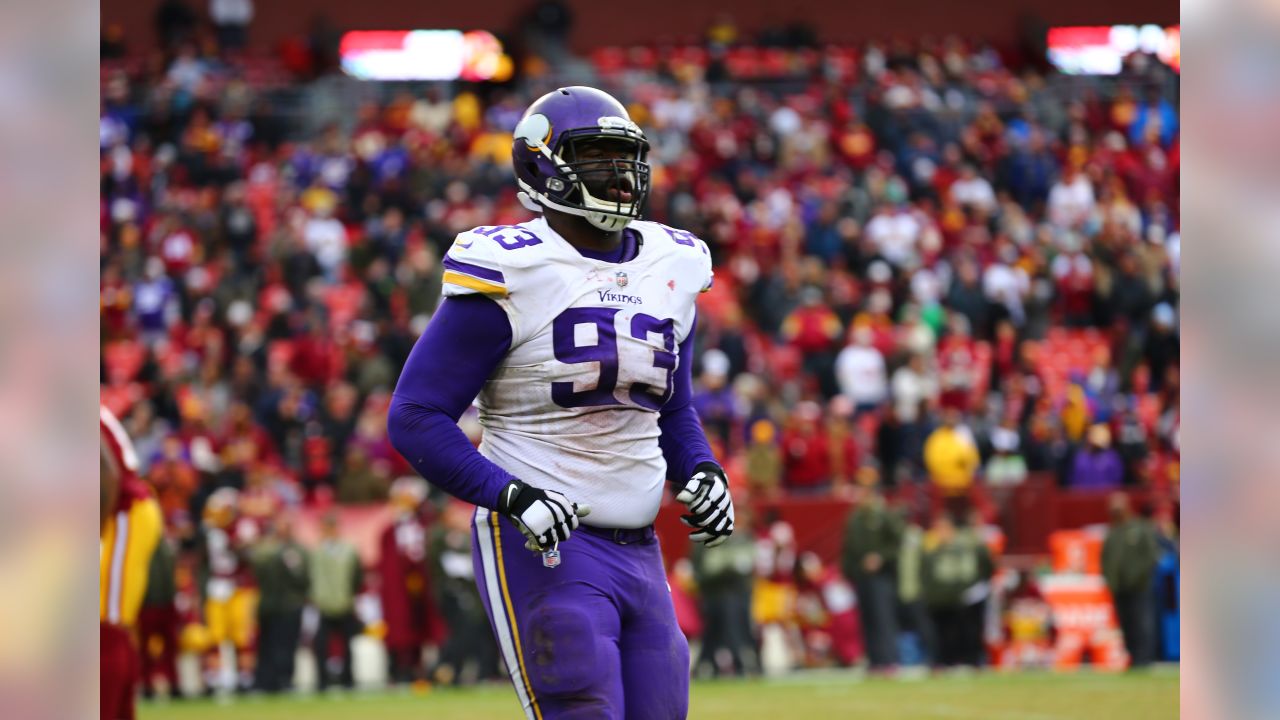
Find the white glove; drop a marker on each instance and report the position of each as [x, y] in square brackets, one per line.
[545, 517]
[710, 505]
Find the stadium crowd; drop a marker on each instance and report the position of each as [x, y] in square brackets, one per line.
[932, 268]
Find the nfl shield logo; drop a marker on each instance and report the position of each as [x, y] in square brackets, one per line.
[551, 558]
[621, 278]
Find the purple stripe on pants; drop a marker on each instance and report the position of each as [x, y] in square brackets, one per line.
[596, 637]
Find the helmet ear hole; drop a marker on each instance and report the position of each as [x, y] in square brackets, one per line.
[532, 167]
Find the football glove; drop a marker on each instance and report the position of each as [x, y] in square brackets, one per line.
[544, 517]
[710, 505]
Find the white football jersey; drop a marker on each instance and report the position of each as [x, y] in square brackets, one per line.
[574, 405]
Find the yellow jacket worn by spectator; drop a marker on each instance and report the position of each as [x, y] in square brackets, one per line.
[951, 456]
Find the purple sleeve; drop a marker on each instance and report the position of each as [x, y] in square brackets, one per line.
[463, 344]
[683, 441]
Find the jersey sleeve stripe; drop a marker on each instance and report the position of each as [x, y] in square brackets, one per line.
[121, 446]
[475, 271]
[471, 283]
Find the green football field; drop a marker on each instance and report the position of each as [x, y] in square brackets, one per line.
[987, 696]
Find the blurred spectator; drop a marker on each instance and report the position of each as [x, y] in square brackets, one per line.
[914, 611]
[112, 44]
[812, 329]
[1006, 467]
[280, 565]
[869, 557]
[951, 455]
[231, 20]
[326, 239]
[361, 480]
[764, 459]
[806, 457]
[469, 651]
[957, 365]
[336, 577]
[1155, 115]
[973, 190]
[956, 570]
[187, 72]
[1071, 199]
[725, 575]
[404, 576]
[966, 296]
[1006, 285]
[175, 23]
[714, 399]
[1162, 347]
[155, 303]
[894, 233]
[158, 623]
[841, 443]
[1129, 557]
[174, 479]
[913, 384]
[1097, 466]
[860, 370]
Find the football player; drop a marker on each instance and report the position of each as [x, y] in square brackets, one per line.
[575, 330]
[230, 599]
[129, 532]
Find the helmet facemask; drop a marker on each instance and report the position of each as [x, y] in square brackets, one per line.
[608, 174]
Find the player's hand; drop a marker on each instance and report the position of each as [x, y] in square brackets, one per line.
[710, 505]
[545, 517]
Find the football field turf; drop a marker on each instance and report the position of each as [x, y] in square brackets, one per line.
[988, 696]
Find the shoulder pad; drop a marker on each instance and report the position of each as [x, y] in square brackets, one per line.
[476, 260]
[688, 240]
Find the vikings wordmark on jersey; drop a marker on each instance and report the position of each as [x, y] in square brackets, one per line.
[593, 352]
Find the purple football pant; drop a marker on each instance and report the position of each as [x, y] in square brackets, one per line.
[595, 638]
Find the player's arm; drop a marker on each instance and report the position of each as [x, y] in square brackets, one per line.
[701, 484]
[462, 346]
